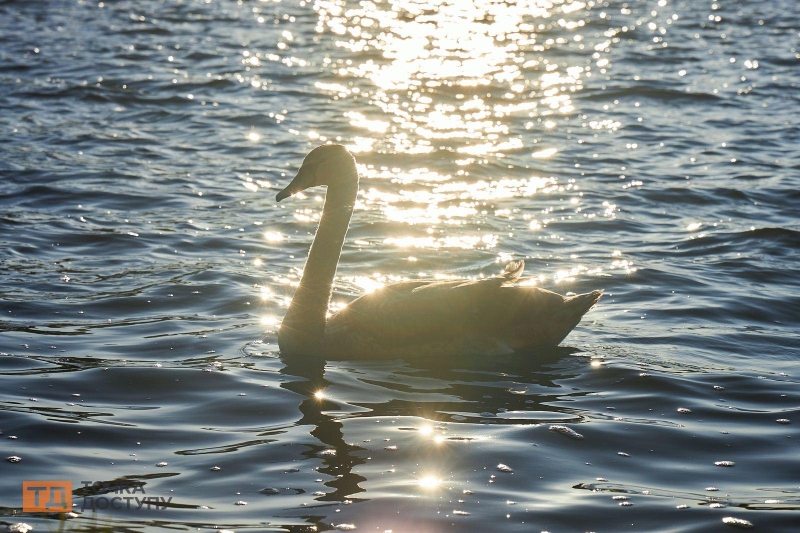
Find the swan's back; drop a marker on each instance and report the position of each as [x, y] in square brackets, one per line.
[437, 319]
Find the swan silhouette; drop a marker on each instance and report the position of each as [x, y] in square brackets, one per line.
[413, 318]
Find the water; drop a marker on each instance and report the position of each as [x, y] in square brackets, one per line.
[647, 148]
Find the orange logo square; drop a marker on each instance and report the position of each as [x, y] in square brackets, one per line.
[46, 496]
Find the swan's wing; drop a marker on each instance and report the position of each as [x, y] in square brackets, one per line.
[513, 271]
[416, 312]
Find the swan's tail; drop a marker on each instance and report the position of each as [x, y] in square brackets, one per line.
[548, 325]
[574, 309]
[577, 306]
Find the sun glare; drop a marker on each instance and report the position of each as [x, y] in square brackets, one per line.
[429, 482]
[269, 321]
[491, 59]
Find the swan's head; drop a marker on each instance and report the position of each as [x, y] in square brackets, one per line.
[329, 164]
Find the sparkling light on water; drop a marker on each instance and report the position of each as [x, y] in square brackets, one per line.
[429, 482]
[488, 58]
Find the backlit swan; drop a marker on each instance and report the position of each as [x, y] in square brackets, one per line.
[413, 318]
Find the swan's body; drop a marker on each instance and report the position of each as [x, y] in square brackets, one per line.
[414, 318]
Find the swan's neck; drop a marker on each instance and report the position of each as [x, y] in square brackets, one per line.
[303, 327]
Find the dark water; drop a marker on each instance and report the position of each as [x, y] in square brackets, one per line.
[647, 148]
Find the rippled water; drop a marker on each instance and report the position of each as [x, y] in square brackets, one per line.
[647, 148]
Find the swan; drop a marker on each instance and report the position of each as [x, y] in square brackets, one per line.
[421, 318]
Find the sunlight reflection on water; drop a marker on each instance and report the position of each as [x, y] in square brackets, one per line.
[451, 72]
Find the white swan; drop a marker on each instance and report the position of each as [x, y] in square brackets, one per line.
[413, 318]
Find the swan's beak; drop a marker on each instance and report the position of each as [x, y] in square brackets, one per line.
[283, 194]
[306, 177]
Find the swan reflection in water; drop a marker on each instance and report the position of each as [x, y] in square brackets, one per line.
[474, 386]
[433, 328]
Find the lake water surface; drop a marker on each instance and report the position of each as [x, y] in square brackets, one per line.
[648, 148]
